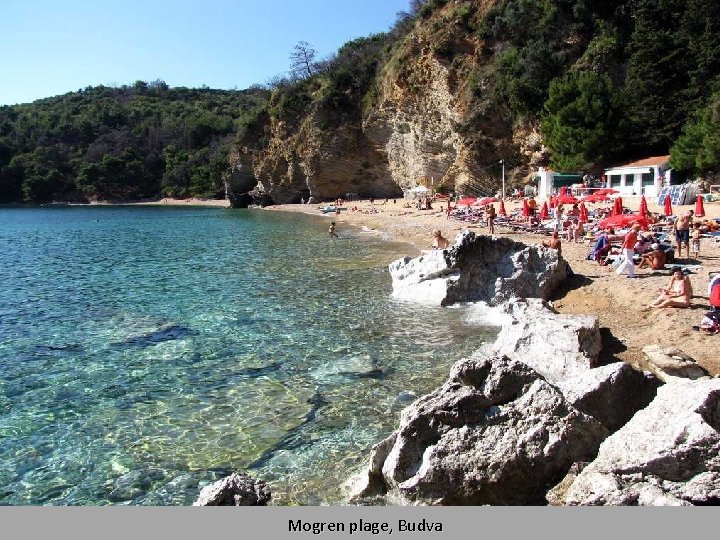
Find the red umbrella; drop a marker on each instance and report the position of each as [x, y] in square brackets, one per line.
[467, 201]
[486, 200]
[566, 199]
[526, 208]
[624, 220]
[668, 206]
[583, 213]
[544, 213]
[606, 191]
[595, 197]
[502, 211]
[553, 202]
[699, 207]
[617, 207]
[643, 206]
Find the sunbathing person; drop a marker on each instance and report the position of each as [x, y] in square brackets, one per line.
[554, 242]
[602, 246]
[655, 259]
[677, 294]
[439, 241]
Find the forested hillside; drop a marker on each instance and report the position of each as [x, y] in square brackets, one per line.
[121, 143]
[453, 87]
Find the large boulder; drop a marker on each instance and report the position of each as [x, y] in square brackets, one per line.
[556, 346]
[479, 268]
[495, 433]
[611, 394]
[669, 363]
[235, 490]
[667, 454]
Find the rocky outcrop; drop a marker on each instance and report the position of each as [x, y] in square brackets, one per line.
[509, 417]
[671, 363]
[424, 118]
[611, 394]
[479, 268]
[495, 433]
[235, 490]
[306, 161]
[556, 346]
[667, 454]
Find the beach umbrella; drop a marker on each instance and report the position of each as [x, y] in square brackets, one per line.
[621, 221]
[544, 213]
[643, 206]
[595, 197]
[526, 208]
[486, 200]
[502, 211]
[617, 207]
[467, 201]
[606, 191]
[668, 206]
[699, 207]
[583, 218]
[566, 199]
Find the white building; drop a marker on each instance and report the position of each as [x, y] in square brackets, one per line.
[645, 176]
[549, 181]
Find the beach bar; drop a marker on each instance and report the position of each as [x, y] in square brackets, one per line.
[644, 177]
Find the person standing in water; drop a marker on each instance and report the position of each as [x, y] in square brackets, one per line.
[331, 230]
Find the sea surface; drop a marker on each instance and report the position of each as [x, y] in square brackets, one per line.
[147, 351]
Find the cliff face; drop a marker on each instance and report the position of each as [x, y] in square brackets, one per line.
[431, 120]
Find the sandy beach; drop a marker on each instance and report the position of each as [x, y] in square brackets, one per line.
[617, 302]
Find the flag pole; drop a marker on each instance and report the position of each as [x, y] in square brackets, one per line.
[503, 178]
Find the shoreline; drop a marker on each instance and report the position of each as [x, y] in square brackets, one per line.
[594, 290]
[165, 201]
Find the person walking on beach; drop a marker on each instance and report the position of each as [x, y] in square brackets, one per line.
[331, 230]
[628, 250]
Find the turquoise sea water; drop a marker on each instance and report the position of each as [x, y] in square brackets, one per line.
[147, 351]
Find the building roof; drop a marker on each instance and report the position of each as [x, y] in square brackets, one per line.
[647, 162]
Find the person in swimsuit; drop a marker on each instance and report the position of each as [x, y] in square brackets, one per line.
[331, 231]
[682, 232]
[491, 218]
[439, 241]
[553, 243]
[695, 241]
[655, 259]
[677, 294]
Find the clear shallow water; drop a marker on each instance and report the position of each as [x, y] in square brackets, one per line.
[147, 351]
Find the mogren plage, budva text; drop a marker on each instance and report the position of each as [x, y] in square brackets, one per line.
[362, 526]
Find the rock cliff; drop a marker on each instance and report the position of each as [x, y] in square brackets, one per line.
[426, 117]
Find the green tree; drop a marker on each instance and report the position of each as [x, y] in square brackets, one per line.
[697, 150]
[577, 119]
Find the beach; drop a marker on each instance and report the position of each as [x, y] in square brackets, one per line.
[593, 290]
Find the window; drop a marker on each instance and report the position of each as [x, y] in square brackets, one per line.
[615, 180]
[648, 179]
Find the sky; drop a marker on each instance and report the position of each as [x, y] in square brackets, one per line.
[50, 47]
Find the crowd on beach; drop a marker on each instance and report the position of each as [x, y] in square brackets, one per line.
[618, 239]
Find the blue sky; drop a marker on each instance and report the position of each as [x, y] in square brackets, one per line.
[52, 47]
